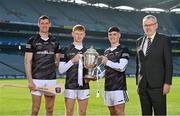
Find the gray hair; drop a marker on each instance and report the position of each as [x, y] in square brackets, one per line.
[150, 17]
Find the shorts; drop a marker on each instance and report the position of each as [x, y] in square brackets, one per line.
[42, 83]
[117, 97]
[79, 94]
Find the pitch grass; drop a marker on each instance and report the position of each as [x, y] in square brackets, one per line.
[17, 101]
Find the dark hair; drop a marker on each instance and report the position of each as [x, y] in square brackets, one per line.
[43, 17]
[113, 28]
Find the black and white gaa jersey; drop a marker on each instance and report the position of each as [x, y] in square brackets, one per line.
[72, 73]
[114, 79]
[43, 60]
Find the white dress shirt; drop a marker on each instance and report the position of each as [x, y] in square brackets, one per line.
[146, 43]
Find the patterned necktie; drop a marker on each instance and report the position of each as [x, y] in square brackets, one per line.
[148, 46]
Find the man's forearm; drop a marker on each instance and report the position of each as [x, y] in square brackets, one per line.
[28, 71]
[57, 59]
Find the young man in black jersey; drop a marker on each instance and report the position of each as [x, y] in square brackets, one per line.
[41, 59]
[71, 63]
[115, 60]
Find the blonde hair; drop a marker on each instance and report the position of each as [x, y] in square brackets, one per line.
[78, 28]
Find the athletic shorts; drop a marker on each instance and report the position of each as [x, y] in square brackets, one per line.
[79, 94]
[117, 97]
[43, 83]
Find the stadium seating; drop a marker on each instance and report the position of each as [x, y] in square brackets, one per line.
[21, 22]
[69, 14]
[11, 64]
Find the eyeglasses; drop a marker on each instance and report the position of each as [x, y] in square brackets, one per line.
[149, 25]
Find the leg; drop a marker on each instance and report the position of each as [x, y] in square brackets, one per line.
[146, 105]
[69, 106]
[109, 102]
[112, 110]
[36, 102]
[160, 107]
[115, 101]
[49, 103]
[158, 101]
[119, 109]
[82, 106]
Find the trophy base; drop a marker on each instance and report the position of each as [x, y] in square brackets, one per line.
[89, 78]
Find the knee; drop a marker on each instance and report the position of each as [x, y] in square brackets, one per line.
[35, 110]
[69, 111]
[120, 112]
[112, 112]
[82, 112]
[49, 110]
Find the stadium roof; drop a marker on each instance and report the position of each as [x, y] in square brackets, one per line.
[139, 5]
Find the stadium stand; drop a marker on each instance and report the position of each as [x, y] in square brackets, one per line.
[69, 14]
[11, 65]
[17, 24]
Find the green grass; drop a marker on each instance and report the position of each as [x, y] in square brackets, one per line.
[17, 101]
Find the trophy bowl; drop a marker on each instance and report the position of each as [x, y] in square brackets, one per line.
[90, 62]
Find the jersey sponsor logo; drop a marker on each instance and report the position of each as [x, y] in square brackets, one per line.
[44, 52]
[53, 43]
[38, 44]
[117, 53]
[72, 54]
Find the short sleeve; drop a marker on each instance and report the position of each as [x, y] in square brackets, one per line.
[125, 53]
[58, 48]
[63, 56]
[29, 45]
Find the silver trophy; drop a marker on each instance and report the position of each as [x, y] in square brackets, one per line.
[90, 62]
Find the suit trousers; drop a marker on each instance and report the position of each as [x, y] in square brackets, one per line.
[152, 100]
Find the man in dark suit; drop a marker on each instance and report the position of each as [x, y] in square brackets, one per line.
[154, 68]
